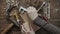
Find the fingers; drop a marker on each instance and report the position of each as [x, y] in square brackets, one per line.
[31, 9]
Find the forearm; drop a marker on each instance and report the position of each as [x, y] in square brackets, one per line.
[47, 26]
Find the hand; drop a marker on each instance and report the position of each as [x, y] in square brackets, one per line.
[26, 29]
[32, 12]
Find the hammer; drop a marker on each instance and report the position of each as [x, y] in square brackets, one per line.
[9, 26]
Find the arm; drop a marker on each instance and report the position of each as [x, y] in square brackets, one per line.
[32, 13]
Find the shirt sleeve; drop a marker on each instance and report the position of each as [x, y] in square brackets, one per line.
[47, 26]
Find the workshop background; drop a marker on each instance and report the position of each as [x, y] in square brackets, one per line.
[54, 18]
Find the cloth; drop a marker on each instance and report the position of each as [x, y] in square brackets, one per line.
[32, 12]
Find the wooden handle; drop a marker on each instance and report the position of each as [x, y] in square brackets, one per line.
[8, 28]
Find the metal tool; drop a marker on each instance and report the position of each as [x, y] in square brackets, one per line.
[46, 9]
[22, 9]
[9, 8]
[14, 22]
[41, 6]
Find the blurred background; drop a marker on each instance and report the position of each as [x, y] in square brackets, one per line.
[54, 14]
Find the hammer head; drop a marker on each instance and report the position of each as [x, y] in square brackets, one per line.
[11, 4]
[12, 18]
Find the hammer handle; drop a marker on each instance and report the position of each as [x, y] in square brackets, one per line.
[8, 28]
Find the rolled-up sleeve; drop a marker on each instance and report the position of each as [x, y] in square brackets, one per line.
[47, 26]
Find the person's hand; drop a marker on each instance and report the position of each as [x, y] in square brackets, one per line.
[26, 29]
[32, 12]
